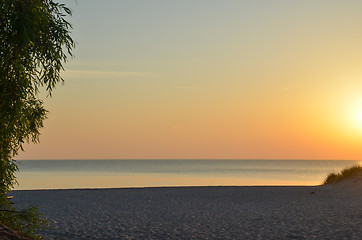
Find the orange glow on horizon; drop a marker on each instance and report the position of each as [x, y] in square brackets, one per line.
[253, 81]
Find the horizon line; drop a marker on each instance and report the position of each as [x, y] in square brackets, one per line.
[191, 159]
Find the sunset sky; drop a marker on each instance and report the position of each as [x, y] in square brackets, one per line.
[209, 79]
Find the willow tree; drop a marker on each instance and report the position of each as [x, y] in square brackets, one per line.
[35, 42]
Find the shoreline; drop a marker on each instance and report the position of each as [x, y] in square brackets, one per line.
[214, 212]
[163, 187]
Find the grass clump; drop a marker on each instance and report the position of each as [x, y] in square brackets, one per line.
[345, 173]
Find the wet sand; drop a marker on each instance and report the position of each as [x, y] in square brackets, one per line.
[322, 212]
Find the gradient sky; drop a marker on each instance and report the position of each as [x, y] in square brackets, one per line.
[209, 79]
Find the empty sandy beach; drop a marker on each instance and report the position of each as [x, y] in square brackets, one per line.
[200, 212]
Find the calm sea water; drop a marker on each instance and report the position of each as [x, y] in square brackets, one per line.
[58, 174]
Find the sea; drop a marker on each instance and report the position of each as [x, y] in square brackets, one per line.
[74, 174]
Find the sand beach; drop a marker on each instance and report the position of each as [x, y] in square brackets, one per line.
[320, 212]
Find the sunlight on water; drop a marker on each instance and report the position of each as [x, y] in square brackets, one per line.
[46, 181]
[153, 173]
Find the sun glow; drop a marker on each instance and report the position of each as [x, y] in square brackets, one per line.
[359, 117]
[355, 116]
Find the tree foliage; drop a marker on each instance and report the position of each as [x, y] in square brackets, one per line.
[35, 42]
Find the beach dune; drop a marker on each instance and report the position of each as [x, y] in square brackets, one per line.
[321, 212]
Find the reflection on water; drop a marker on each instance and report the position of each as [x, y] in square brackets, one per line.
[151, 173]
[46, 181]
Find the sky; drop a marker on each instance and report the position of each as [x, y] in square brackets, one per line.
[208, 79]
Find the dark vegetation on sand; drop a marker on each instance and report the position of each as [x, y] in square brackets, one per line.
[344, 174]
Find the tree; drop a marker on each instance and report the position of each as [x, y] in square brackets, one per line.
[35, 42]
